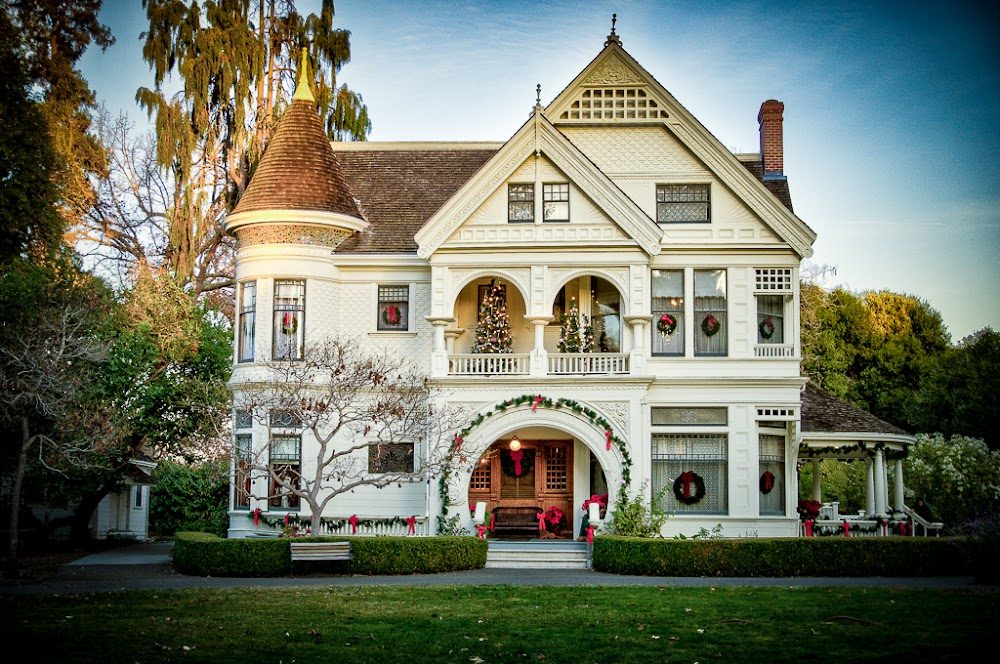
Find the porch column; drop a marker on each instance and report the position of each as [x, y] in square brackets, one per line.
[869, 486]
[439, 355]
[539, 356]
[879, 482]
[637, 354]
[817, 493]
[450, 335]
[897, 485]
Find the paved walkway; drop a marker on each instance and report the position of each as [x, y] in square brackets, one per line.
[147, 567]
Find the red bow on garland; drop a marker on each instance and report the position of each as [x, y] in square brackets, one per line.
[809, 527]
[538, 400]
[847, 529]
[354, 524]
[256, 516]
[590, 534]
[607, 437]
[458, 444]
[687, 477]
[481, 531]
[411, 525]
[286, 518]
[541, 520]
[516, 456]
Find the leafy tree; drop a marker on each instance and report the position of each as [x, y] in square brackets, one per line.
[841, 481]
[190, 497]
[357, 412]
[236, 59]
[957, 397]
[958, 476]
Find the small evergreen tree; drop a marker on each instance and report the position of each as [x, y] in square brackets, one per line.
[493, 331]
[576, 335]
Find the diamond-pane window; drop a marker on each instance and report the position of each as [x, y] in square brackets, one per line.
[683, 203]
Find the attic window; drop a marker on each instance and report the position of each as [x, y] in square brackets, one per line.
[555, 202]
[683, 203]
[520, 203]
[614, 104]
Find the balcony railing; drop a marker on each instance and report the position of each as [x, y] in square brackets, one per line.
[512, 364]
[774, 350]
[588, 363]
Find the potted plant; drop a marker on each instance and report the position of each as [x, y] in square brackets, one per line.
[808, 509]
[599, 500]
[555, 519]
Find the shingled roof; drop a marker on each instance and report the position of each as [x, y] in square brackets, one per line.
[299, 170]
[399, 190]
[777, 186]
[824, 413]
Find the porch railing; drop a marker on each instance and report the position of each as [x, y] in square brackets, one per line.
[507, 364]
[588, 363]
[774, 350]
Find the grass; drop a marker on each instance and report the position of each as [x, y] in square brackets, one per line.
[506, 624]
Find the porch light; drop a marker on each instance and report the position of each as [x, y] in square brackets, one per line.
[515, 444]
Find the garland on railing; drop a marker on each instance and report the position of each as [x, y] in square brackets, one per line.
[329, 524]
[536, 400]
[889, 455]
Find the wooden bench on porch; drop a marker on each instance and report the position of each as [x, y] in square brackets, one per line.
[302, 551]
[508, 520]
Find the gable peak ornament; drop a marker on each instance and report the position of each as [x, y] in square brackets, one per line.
[613, 38]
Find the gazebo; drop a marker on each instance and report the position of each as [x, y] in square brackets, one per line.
[835, 429]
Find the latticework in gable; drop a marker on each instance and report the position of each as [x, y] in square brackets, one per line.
[613, 103]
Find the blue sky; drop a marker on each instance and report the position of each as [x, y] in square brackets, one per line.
[892, 108]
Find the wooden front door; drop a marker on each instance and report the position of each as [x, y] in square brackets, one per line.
[546, 478]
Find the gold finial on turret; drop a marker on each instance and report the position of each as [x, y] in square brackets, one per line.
[303, 90]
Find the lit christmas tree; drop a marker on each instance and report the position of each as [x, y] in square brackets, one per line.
[575, 332]
[493, 331]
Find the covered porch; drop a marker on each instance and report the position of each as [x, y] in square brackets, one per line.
[833, 429]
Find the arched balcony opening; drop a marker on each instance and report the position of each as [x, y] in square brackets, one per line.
[473, 342]
[587, 332]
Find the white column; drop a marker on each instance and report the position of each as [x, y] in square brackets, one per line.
[817, 492]
[897, 484]
[869, 486]
[450, 335]
[879, 482]
[539, 356]
[439, 355]
[637, 355]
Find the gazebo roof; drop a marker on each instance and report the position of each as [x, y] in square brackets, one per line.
[831, 422]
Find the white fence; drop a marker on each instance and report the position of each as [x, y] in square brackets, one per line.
[507, 364]
[774, 350]
[588, 363]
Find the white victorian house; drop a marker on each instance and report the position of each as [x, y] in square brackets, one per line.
[612, 199]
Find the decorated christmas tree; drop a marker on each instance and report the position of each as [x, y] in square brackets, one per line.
[493, 331]
[575, 332]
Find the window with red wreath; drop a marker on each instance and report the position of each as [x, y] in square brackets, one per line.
[393, 308]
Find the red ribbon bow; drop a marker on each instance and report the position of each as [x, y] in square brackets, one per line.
[590, 534]
[256, 516]
[809, 527]
[516, 456]
[493, 521]
[354, 524]
[286, 518]
[847, 529]
[687, 477]
[541, 520]
[458, 444]
[607, 437]
[393, 313]
[411, 525]
[481, 531]
[904, 528]
[538, 400]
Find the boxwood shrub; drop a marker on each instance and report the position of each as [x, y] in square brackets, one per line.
[783, 557]
[208, 555]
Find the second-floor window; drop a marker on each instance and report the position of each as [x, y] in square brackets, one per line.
[289, 319]
[248, 319]
[555, 202]
[770, 319]
[683, 203]
[710, 312]
[520, 203]
[668, 312]
[393, 308]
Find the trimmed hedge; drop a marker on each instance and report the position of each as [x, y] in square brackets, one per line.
[827, 556]
[207, 555]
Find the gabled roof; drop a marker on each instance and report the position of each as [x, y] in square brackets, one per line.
[614, 67]
[823, 413]
[539, 137]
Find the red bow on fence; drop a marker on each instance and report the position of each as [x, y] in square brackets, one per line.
[516, 456]
[538, 400]
[847, 529]
[904, 528]
[809, 527]
[590, 534]
[411, 525]
[481, 531]
[687, 477]
[286, 518]
[541, 520]
[607, 438]
[354, 524]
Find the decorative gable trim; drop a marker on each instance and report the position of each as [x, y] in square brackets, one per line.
[614, 66]
[539, 136]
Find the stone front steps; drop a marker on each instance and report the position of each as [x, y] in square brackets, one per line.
[537, 554]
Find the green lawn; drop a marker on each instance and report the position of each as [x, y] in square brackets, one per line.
[506, 624]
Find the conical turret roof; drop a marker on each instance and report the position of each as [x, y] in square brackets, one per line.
[299, 170]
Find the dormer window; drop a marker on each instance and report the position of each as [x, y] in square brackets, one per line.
[683, 204]
[555, 199]
[521, 203]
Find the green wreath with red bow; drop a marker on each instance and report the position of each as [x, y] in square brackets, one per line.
[710, 325]
[666, 324]
[689, 487]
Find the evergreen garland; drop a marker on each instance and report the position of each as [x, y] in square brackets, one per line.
[493, 331]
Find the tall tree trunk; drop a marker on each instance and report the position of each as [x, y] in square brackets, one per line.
[15, 493]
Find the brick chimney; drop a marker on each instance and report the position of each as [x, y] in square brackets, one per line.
[772, 150]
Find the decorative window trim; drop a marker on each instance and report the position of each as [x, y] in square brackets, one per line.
[684, 200]
[773, 280]
[777, 414]
[521, 196]
[555, 194]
